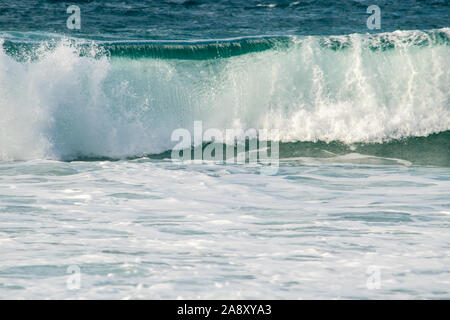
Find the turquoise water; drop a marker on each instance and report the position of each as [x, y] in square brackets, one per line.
[358, 206]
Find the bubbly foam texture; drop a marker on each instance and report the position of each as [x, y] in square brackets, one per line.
[64, 105]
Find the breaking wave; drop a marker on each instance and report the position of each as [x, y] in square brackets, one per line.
[69, 98]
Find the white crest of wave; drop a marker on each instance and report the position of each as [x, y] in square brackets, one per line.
[64, 106]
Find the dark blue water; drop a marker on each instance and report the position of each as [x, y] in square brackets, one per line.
[211, 19]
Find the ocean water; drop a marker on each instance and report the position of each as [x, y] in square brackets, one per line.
[94, 205]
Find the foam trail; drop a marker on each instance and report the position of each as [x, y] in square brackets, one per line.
[63, 103]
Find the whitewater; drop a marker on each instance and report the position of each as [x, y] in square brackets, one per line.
[358, 208]
[124, 100]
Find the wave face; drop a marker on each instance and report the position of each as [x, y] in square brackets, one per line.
[66, 99]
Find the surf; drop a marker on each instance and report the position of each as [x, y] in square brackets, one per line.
[64, 98]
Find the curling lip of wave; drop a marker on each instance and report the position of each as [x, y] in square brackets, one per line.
[19, 44]
[169, 49]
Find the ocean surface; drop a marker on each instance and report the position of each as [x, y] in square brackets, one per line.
[93, 204]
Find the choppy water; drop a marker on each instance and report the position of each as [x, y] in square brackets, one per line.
[213, 19]
[359, 206]
[153, 229]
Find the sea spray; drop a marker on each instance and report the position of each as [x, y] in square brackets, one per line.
[84, 100]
